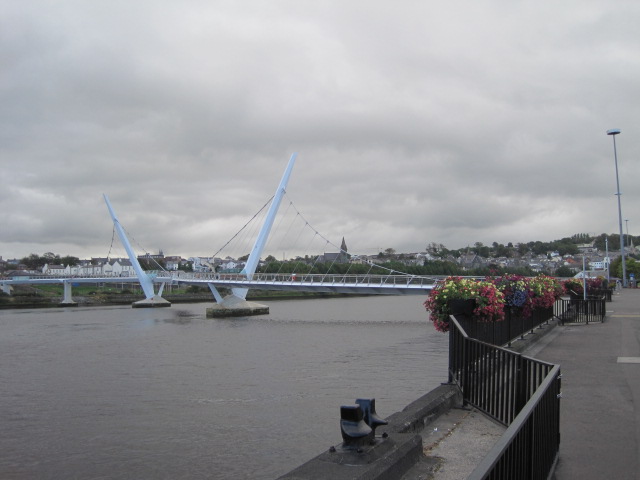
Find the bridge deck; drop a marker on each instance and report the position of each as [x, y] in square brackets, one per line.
[371, 284]
[362, 284]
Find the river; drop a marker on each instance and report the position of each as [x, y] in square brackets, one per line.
[122, 393]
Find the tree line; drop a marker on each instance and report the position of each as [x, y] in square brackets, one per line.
[36, 262]
[564, 246]
[392, 261]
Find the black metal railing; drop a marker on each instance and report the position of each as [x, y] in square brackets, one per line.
[520, 392]
[514, 326]
[579, 310]
[529, 447]
[607, 293]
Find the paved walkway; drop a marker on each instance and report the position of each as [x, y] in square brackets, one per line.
[600, 407]
[599, 411]
[459, 441]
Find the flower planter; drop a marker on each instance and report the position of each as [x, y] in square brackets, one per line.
[461, 307]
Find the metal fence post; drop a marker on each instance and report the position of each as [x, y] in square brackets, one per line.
[451, 349]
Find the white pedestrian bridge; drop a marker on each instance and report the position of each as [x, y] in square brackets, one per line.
[344, 283]
[392, 283]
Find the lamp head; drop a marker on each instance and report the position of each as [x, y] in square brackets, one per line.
[613, 131]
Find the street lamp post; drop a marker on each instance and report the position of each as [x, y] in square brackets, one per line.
[584, 277]
[606, 259]
[613, 133]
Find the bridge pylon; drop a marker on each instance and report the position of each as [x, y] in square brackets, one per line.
[151, 300]
[236, 304]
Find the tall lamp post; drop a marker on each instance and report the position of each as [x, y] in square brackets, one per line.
[606, 246]
[613, 132]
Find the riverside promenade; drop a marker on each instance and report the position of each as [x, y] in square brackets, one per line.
[599, 411]
[600, 407]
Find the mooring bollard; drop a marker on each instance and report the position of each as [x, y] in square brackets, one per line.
[358, 423]
[355, 432]
[371, 418]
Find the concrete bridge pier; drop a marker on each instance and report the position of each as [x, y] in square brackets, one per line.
[6, 288]
[152, 302]
[234, 306]
[67, 300]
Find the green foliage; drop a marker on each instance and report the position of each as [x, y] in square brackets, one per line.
[285, 267]
[36, 262]
[633, 266]
[196, 289]
[438, 250]
[33, 261]
[499, 250]
[579, 238]
[482, 250]
[186, 267]
[440, 267]
[69, 260]
[614, 241]
[564, 246]
[564, 271]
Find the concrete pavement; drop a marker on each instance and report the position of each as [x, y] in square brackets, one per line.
[600, 407]
[457, 441]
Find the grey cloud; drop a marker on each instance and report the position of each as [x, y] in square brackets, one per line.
[430, 122]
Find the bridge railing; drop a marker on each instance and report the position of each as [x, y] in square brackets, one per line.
[337, 279]
[27, 278]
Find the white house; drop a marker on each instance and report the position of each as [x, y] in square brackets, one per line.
[172, 263]
[231, 265]
[89, 270]
[599, 265]
[119, 267]
[53, 270]
[201, 264]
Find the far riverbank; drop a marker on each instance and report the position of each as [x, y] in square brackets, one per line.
[102, 299]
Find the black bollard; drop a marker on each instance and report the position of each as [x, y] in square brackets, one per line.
[371, 418]
[355, 431]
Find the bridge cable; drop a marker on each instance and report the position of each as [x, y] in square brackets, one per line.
[146, 253]
[245, 226]
[286, 234]
[389, 271]
[113, 236]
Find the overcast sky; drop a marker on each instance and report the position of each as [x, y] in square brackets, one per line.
[414, 121]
